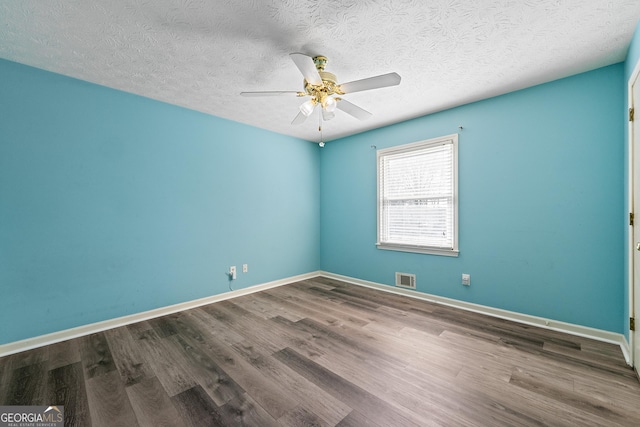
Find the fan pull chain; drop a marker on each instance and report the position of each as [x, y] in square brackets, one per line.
[321, 143]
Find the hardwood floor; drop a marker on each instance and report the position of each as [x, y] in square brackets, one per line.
[325, 353]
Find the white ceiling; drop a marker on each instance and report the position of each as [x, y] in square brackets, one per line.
[201, 54]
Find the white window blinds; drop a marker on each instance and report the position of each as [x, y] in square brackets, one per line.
[417, 196]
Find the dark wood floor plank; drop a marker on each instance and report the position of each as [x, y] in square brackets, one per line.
[391, 318]
[275, 400]
[246, 324]
[357, 343]
[27, 385]
[214, 327]
[381, 376]
[324, 302]
[356, 419]
[577, 362]
[164, 326]
[109, 404]
[589, 358]
[127, 356]
[500, 329]
[308, 343]
[152, 405]
[196, 408]
[136, 328]
[564, 381]
[31, 357]
[165, 362]
[211, 377]
[478, 353]
[303, 341]
[609, 350]
[520, 405]
[244, 411]
[582, 402]
[299, 303]
[300, 417]
[497, 328]
[332, 297]
[419, 349]
[63, 354]
[344, 390]
[266, 307]
[619, 394]
[268, 335]
[314, 400]
[388, 300]
[316, 282]
[388, 357]
[503, 370]
[33, 361]
[5, 374]
[328, 353]
[96, 355]
[416, 394]
[496, 409]
[66, 387]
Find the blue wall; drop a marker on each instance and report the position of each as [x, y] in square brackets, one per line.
[541, 202]
[113, 204]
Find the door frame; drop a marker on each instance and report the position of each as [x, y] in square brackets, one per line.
[630, 202]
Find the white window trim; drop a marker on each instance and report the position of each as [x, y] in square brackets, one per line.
[453, 139]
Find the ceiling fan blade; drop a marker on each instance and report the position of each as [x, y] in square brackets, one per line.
[299, 118]
[270, 93]
[376, 82]
[354, 110]
[307, 68]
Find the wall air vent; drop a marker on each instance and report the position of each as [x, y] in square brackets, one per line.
[405, 280]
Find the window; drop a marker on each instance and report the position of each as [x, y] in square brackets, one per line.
[418, 197]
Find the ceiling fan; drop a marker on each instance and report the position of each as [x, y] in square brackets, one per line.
[322, 87]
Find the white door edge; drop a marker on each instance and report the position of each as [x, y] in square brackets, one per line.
[630, 203]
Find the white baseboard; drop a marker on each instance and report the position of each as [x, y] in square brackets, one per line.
[578, 330]
[55, 337]
[626, 350]
[555, 325]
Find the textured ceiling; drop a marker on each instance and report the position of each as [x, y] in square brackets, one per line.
[201, 54]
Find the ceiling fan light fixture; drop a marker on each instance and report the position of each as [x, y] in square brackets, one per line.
[329, 104]
[307, 107]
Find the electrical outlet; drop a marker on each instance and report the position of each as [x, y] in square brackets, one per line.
[245, 268]
[466, 279]
[232, 272]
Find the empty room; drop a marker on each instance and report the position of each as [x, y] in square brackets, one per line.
[337, 213]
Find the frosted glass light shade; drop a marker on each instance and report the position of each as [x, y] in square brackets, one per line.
[327, 115]
[307, 107]
[330, 104]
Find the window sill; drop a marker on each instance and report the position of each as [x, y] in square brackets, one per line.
[418, 249]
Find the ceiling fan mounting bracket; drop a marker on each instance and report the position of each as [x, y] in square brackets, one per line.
[320, 62]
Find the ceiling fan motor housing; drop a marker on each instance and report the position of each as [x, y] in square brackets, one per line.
[329, 81]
